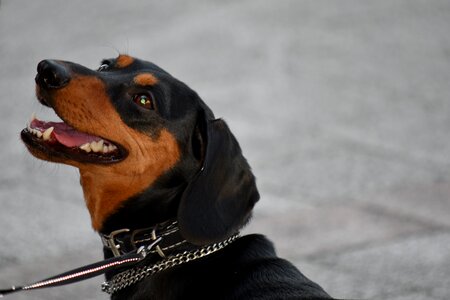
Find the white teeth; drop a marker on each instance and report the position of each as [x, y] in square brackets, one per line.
[86, 147]
[109, 148]
[47, 132]
[32, 118]
[34, 131]
[97, 146]
[37, 133]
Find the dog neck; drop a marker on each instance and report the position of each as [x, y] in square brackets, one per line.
[103, 194]
[106, 187]
[138, 205]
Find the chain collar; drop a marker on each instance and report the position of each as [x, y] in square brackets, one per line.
[132, 276]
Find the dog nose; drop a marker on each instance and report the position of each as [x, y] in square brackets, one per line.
[52, 74]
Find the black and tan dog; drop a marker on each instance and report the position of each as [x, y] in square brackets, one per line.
[154, 161]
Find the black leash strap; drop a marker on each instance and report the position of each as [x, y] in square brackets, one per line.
[86, 272]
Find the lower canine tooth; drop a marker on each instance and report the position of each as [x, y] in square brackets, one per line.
[47, 132]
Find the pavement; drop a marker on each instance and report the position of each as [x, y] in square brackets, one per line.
[341, 107]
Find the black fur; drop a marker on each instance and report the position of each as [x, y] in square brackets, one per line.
[211, 192]
[245, 270]
[218, 201]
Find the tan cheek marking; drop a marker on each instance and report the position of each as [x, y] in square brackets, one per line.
[124, 61]
[145, 79]
[85, 104]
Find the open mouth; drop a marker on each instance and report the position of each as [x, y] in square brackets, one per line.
[60, 140]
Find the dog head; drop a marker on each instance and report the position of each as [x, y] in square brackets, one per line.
[147, 147]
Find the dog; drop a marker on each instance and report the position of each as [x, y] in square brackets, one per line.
[157, 166]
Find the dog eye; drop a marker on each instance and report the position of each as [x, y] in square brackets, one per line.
[143, 100]
[102, 67]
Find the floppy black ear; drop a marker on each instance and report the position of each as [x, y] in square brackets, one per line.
[219, 200]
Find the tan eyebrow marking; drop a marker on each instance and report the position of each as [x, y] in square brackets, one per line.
[145, 79]
[124, 61]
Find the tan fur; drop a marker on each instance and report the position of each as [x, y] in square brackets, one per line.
[145, 79]
[124, 61]
[84, 104]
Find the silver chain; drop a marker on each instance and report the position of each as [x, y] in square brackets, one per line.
[130, 277]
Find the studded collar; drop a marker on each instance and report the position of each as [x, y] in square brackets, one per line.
[124, 240]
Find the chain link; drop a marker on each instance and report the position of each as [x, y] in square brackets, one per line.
[130, 277]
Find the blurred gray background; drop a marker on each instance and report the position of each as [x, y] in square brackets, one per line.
[341, 107]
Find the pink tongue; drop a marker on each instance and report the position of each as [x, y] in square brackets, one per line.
[64, 134]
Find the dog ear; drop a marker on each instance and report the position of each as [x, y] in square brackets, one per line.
[218, 201]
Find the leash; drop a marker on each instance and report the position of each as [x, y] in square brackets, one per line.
[88, 271]
[130, 247]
